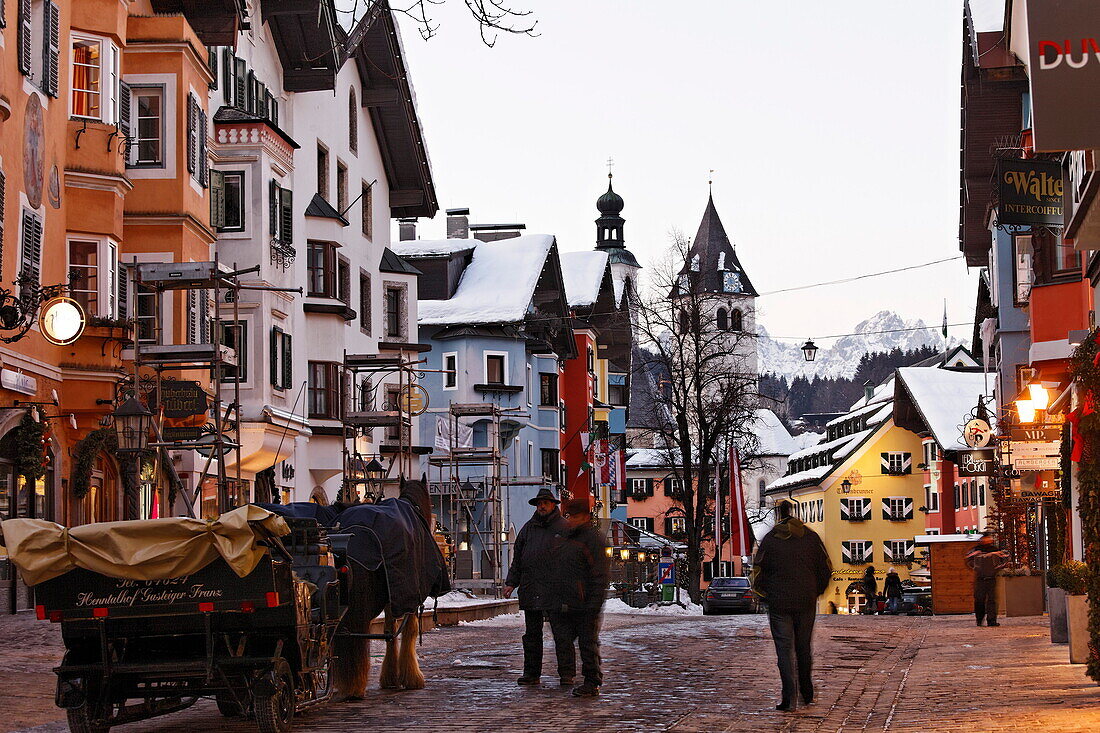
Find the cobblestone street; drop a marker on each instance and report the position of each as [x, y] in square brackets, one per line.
[673, 673]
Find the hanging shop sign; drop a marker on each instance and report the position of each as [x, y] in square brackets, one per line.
[61, 321]
[185, 409]
[1021, 448]
[1039, 433]
[1034, 462]
[975, 462]
[977, 433]
[1064, 53]
[1039, 493]
[1030, 192]
[413, 400]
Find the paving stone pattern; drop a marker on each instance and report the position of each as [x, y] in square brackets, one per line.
[672, 673]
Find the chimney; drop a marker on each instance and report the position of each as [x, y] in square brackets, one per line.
[458, 223]
[496, 232]
[868, 390]
[406, 229]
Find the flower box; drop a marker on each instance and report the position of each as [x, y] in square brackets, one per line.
[1077, 616]
[1020, 595]
[1056, 606]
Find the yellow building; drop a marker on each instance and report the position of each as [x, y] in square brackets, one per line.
[858, 490]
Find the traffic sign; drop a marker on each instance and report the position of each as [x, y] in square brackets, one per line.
[666, 573]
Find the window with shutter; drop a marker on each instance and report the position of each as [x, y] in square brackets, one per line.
[286, 217]
[240, 81]
[217, 199]
[273, 209]
[364, 302]
[212, 62]
[26, 36]
[250, 92]
[122, 282]
[288, 364]
[343, 273]
[51, 47]
[353, 123]
[192, 317]
[229, 72]
[204, 155]
[192, 134]
[204, 317]
[124, 99]
[276, 345]
[30, 256]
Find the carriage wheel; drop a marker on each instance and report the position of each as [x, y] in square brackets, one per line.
[80, 721]
[275, 712]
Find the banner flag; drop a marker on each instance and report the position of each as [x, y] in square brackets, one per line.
[740, 530]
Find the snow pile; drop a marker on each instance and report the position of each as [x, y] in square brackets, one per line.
[506, 619]
[459, 599]
[617, 605]
[582, 273]
[497, 286]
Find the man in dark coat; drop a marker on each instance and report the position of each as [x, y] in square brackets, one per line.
[790, 570]
[530, 572]
[580, 575]
[986, 559]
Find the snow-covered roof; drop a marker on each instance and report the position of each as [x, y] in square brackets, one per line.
[807, 439]
[865, 410]
[944, 398]
[883, 393]
[772, 437]
[988, 15]
[813, 474]
[582, 273]
[432, 247]
[497, 285]
[649, 458]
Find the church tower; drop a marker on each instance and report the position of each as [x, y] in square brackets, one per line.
[609, 238]
[713, 272]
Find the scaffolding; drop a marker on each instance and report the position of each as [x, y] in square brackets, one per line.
[474, 510]
[363, 375]
[204, 282]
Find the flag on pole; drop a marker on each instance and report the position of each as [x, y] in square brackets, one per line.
[616, 470]
[740, 531]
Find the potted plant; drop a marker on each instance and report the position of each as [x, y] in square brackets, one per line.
[1020, 592]
[1056, 603]
[1073, 579]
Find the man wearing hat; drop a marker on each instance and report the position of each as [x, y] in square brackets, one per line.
[580, 575]
[532, 557]
[790, 570]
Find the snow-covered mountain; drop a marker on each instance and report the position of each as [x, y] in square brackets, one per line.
[842, 357]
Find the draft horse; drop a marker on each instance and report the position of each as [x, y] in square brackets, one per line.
[369, 595]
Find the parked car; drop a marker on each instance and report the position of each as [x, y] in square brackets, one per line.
[729, 594]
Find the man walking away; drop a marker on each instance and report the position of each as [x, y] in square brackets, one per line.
[530, 572]
[892, 588]
[985, 560]
[580, 576]
[870, 589]
[790, 570]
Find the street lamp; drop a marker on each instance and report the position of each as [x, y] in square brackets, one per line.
[624, 554]
[809, 350]
[1039, 395]
[1025, 411]
[132, 433]
[846, 486]
[132, 426]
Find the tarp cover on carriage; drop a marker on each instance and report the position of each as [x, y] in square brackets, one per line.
[148, 549]
[389, 534]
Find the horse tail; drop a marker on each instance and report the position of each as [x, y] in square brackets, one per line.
[351, 666]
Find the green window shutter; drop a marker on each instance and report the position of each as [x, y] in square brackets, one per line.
[229, 75]
[239, 81]
[217, 199]
[212, 62]
[276, 346]
[51, 47]
[288, 365]
[273, 208]
[124, 108]
[286, 213]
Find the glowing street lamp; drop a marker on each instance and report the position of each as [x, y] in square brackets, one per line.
[1025, 411]
[1040, 398]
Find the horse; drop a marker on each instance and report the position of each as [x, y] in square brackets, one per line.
[369, 595]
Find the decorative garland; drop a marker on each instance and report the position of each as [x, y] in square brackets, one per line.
[29, 447]
[1085, 422]
[84, 455]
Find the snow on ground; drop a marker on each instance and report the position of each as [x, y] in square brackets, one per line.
[506, 619]
[458, 598]
[617, 605]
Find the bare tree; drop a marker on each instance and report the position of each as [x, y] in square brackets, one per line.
[493, 17]
[706, 390]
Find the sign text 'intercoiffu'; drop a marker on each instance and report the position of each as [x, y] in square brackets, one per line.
[1030, 192]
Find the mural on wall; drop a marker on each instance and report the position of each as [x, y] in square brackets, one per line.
[34, 143]
[54, 190]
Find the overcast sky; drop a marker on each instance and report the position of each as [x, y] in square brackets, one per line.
[832, 127]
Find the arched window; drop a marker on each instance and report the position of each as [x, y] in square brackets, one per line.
[723, 320]
[353, 123]
[736, 321]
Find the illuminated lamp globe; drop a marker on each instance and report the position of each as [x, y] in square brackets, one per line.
[1040, 398]
[1025, 411]
[61, 321]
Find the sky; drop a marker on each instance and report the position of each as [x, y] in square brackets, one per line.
[832, 129]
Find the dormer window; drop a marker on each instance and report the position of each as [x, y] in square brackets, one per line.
[695, 263]
[685, 283]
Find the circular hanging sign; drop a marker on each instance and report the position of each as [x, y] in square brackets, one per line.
[413, 400]
[61, 320]
[977, 433]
